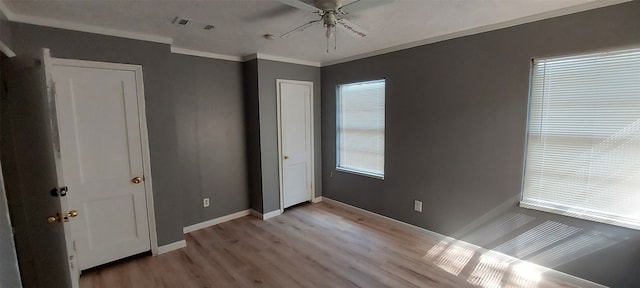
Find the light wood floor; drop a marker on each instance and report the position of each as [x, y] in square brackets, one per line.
[316, 245]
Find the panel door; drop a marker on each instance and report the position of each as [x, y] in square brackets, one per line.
[30, 165]
[295, 117]
[102, 162]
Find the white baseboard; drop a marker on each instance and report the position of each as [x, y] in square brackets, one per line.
[553, 273]
[316, 200]
[266, 216]
[173, 246]
[215, 221]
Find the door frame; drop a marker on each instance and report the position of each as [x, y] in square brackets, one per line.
[144, 137]
[311, 144]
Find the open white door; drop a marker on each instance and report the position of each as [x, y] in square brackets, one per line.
[102, 145]
[30, 155]
[295, 131]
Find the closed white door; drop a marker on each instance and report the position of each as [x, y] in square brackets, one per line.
[295, 140]
[101, 148]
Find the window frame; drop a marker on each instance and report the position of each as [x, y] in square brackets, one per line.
[603, 218]
[337, 132]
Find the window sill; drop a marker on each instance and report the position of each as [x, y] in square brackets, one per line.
[581, 214]
[356, 172]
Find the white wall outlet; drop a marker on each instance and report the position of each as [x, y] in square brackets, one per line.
[205, 202]
[417, 206]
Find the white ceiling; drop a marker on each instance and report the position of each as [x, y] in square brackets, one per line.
[240, 24]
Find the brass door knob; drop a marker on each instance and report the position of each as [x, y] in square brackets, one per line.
[72, 213]
[136, 180]
[53, 219]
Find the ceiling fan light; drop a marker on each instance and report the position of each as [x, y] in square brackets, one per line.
[330, 31]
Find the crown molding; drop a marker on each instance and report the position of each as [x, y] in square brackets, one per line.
[281, 59]
[185, 51]
[482, 29]
[6, 50]
[68, 25]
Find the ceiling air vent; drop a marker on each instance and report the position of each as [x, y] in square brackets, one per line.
[181, 21]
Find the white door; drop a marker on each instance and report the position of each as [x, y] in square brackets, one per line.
[30, 163]
[101, 148]
[296, 147]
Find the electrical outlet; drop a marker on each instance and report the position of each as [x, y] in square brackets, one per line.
[205, 202]
[417, 206]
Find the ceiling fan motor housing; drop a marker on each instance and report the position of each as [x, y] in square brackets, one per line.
[329, 19]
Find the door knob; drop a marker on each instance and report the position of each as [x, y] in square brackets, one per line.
[72, 213]
[136, 180]
[286, 157]
[53, 219]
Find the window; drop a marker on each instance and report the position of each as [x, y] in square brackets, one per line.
[360, 139]
[583, 152]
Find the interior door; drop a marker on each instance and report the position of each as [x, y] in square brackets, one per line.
[29, 159]
[101, 147]
[296, 147]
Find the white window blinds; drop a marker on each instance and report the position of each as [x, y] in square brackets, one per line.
[583, 152]
[360, 112]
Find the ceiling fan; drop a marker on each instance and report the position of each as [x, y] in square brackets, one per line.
[332, 14]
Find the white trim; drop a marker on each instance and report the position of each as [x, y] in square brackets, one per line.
[361, 173]
[554, 273]
[171, 247]
[6, 11]
[280, 59]
[185, 51]
[271, 214]
[68, 25]
[316, 200]
[265, 216]
[144, 137]
[215, 221]
[6, 50]
[523, 20]
[312, 191]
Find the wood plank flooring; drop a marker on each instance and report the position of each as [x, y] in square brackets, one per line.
[317, 245]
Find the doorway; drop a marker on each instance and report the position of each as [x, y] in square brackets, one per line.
[295, 138]
[101, 123]
[76, 162]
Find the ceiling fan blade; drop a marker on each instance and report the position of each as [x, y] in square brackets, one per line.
[361, 5]
[351, 28]
[300, 28]
[300, 5]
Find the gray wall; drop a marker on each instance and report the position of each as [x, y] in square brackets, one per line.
[194, 110]
[252, 120]
[209, 111]
[268, 72]
[9, 274]
[456, 115]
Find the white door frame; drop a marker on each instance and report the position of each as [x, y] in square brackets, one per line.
[312, 144]
[146, 158]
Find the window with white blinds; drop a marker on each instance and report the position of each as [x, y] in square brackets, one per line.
[360, 128]
[583, 152]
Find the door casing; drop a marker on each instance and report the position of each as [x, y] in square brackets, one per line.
[312, 142]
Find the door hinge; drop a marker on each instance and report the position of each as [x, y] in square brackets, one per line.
[74, 246]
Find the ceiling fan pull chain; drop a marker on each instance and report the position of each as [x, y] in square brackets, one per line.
[335, 38]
